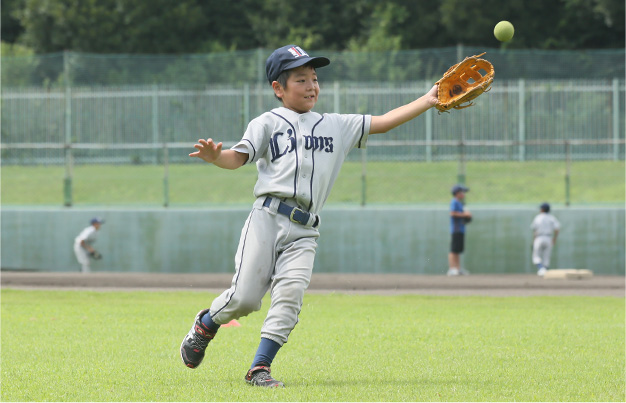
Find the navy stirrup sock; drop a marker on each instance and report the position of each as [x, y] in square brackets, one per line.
[265, 353]
[208, 322]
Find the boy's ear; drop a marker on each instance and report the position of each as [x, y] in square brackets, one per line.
[278, 89]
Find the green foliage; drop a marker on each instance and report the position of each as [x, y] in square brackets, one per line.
[191, 26]
[124, 346]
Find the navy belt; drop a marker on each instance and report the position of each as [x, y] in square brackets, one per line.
[295, 214]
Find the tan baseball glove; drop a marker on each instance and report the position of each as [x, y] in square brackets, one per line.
[463, 82]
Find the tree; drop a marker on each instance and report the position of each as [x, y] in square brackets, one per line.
[200, 26]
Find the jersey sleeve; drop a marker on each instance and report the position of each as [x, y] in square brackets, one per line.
[254, 141]
[86, 234]
[556, 223]
[354, 129]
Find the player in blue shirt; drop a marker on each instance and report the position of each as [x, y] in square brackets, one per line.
[459, 216]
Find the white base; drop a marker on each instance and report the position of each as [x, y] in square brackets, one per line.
[568, 274]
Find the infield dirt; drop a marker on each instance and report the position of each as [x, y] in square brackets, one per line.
[477, 284]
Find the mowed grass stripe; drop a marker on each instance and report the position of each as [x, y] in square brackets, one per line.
[199, 183]
[124, 346]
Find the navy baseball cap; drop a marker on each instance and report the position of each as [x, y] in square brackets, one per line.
[459, 188]
[97, 220]
[545, 207]
[290, 57]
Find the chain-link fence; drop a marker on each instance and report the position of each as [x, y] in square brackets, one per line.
[547, 114]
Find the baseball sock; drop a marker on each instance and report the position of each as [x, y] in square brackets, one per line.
[208, 322]
[265, 353]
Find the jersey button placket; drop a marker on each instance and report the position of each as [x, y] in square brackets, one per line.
[304, 168]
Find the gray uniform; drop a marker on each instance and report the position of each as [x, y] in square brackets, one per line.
[298, 158]
[88, 235]
[543, 226]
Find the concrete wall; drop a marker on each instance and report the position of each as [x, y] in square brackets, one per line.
[353, 240]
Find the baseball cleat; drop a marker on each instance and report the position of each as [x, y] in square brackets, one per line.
[542, 271]
[260, 376]
[196, 341]
[453, 272]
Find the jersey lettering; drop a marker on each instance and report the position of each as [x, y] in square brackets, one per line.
[318, 143]
[275, 148]
[314, 143]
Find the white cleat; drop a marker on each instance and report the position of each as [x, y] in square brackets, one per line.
[453, 272]
[542, 271]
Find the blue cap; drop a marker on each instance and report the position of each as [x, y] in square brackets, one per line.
[459, 188]
[545, 207]
[290, 57]
[97, 220]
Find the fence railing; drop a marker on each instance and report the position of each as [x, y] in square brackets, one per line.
[513, 115]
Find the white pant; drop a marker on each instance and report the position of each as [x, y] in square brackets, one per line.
[273, 252]
[82, 257]
[542, 249]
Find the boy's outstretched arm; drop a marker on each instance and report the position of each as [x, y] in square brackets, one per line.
[398, 116]
[213, 154]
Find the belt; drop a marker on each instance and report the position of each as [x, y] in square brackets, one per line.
[295, 214]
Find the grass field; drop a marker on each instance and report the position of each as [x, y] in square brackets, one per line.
[591, 182]
[123, 346]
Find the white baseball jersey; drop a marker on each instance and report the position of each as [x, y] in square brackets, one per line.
[299, 156]
[88, 235]
[545, 224]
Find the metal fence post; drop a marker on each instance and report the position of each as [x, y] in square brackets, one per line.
[336, 98]
[155, 118]
[260, 77]
[246, 106]
[363, 177]
[67, 180]
[460, 176]
[429, 132]
[521, 128]
[615, 119]
[568, 167]
[166, 176]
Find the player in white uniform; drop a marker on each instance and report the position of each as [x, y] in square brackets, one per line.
[298, 154]
[83, 248]
[545, 231]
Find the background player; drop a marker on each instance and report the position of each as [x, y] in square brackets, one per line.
[83, 248]
[545, 231]
[298, 154]
[458, 218]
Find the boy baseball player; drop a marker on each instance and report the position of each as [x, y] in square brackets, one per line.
[83, 244]
[298, 154]
[459, 216]
[545, 231]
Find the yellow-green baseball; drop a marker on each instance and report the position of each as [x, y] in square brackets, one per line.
[504, 31]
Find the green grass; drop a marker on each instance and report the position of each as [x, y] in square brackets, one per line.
[123, 346]
[591, 182]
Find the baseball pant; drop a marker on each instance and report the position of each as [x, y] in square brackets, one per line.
[542, 250]
[273, 253]
[82, 257]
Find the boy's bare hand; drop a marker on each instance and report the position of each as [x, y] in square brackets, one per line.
[431, 96]
[207, 150]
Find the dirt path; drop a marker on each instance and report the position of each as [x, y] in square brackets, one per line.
[385, 284]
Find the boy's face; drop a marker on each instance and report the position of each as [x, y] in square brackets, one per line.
[300, 94]
[460, 195]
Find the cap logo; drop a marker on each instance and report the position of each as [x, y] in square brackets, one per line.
[296, 51]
